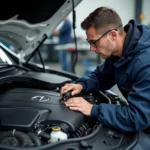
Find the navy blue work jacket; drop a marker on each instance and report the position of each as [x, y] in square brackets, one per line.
[131, 73]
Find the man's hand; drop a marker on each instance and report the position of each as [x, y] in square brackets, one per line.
[56, 32]
[75, 88]
[79, 104]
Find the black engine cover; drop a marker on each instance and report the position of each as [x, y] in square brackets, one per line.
[20, 108]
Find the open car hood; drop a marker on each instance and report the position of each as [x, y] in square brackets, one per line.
[27, 23]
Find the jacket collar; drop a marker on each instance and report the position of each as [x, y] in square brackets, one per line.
[131, 40]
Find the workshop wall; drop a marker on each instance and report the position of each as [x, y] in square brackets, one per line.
[146, 12]
[125, 8]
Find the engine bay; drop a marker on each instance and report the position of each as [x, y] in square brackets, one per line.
[32, 115]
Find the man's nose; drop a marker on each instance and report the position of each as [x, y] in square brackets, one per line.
[92, 48]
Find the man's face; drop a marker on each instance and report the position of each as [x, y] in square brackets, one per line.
[102, 44]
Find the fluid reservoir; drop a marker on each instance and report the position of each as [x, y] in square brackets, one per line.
[57, 134]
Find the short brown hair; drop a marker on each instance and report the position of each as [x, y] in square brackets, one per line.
[102, 18]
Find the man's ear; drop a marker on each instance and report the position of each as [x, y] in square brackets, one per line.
[113, 34]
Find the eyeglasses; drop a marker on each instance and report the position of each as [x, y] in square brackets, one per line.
[94, 42]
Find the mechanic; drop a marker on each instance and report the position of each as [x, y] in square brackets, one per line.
[64, 34]
[126, 50]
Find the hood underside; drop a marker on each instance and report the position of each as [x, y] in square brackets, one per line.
[26, 23]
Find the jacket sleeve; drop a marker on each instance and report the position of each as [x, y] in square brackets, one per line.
[102, 78]
[136, 115]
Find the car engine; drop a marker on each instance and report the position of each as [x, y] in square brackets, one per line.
[32, 113]
[28, 115]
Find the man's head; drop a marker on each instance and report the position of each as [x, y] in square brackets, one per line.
[105, 32]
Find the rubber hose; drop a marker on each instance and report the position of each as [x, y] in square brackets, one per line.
[35, 139]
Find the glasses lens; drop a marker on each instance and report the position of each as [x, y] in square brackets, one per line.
[92, 43]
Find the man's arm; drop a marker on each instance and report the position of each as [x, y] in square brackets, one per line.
[102, 78]
[136, 115]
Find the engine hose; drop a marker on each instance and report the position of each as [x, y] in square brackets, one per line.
[35, 139]
[82, 129]
[44, 135]
[16, 138]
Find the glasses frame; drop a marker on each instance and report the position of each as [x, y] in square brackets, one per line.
[94, 42]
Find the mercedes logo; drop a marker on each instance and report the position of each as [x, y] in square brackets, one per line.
[40, 98]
